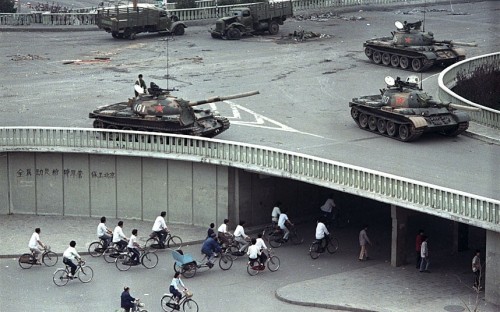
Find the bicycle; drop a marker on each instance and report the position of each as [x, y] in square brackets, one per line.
[233, 249]
[148, 259]
[113, 252]
[168, 303]
[96, 248]
[272, 262]
[49, 258]
[171, 241]
[276, 238]
[332, 245]
[138, 306]
[187, 266]
[83, 272]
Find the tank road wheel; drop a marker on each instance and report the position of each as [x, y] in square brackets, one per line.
[274, 28]
[377, 57]
[386, 59]
[179, 30]
[416, 65]
[404, 62]
[394, 61]
[381, 125]
[363, 120]
[391, 128]
[354, 113]
[368, 53]
[372, 123]
[404, 133]
[98, 124]
[114, 34]
[233, 33]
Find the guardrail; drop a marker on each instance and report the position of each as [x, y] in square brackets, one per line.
[448, 79]
[448, 203]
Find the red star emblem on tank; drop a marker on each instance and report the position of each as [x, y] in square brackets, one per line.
[400, 101]
[408, 40]
[158, 109]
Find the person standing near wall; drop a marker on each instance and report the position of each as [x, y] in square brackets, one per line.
[363, 243]
[424, 254]
[418, 247]
[477, 269]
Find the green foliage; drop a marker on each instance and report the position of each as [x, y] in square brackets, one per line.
[185, 4]
[7, 6]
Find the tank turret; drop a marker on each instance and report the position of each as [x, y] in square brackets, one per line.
[414, 49]
[159, 111]
[404, 112]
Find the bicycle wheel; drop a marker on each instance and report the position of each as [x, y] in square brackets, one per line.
[313, 250]
[26, 261]
[123, 262]
[232, 252]
[333, 245]
[189, 270]
[110, 254]
[149, 260]
[177, 268]
[95, 249]
[276, 241]
[251, 270]
[273, 264]
[85, 274]
[152, 244]
[295, 238]
[225, 262]
[190, 306]
[167, 303]
[50, 258]
[60, 277]
[174, 242]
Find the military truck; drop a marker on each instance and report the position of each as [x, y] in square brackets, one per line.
[257, 18]
[125, 21]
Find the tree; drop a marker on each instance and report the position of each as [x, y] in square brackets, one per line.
[7, 6]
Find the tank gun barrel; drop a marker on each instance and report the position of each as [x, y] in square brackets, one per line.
[455, 106]
[223, 98]
[457, 43]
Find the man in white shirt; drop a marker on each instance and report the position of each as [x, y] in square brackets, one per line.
[35, 243]
[282, 223]
[160, 228]
[262, 246]
[69, 255]
[321, 233]
[241, 237]
[133, 247]
[223, 234]
[253, 252]
[119, 237]
[424, 254]
[275, 214]
[104, 233]
[327, 208]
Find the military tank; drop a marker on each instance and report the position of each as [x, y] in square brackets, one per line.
[404, 112]
[413, 49]
[159, 111]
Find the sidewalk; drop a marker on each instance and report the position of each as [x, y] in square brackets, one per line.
[376, 287]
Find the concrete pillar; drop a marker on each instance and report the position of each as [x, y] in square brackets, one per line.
[492, 267]
[399, 225]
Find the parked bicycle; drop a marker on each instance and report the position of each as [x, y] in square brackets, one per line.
[171, 241]
[83, 272]
[276, 238]
[331, 245]
[49, 258]
[272, 262]
[149, 259]
[187, 266]
[168, 303]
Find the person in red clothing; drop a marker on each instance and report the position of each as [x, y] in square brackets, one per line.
[418, 247]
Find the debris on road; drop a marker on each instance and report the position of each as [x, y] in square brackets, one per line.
[29, 57]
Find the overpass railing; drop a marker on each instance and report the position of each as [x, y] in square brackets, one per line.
[448, 80]
[448, 203]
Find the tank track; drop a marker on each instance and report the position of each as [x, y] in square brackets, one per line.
[459, 130]
[395, 129]
[416, 62]
[225, 125]
[126, 126]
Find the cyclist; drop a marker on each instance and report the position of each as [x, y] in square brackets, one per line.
[160, 228]
[254, 253]
[133, 247]
[104, 233]
[119, 237]
[241, 237]
[223, 233]
[327, 208]
[127, 301]
[69, 255]
[284, 223]
[321, 234]
[210, 231]
[209, 247]
[174, 287]
[262, 246]
[34, 243]
[275, 214]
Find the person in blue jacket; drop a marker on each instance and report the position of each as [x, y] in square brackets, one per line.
[209, 247]
[127, 300]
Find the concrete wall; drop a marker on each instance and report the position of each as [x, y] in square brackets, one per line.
[491, 267]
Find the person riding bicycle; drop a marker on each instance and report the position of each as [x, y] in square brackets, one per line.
[133, 247]
[104, 233]
[327, 210]
[284, 223]
[69, 255]
[254, 253]
[223, 234]
[321, 233]
[119, 237]
[209, 247]
[262, 246]
[34, 244]
[241, 237]
[175, 285]
[275, 214]
[160, 228]
[127, 301]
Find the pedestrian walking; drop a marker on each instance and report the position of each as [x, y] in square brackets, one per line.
[424, 254]
[363, 242]
[477, 269]
[418, 247]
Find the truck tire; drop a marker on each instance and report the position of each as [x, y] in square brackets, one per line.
[233, 33]
[179, 30]
[274, 28]
[174, 18]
